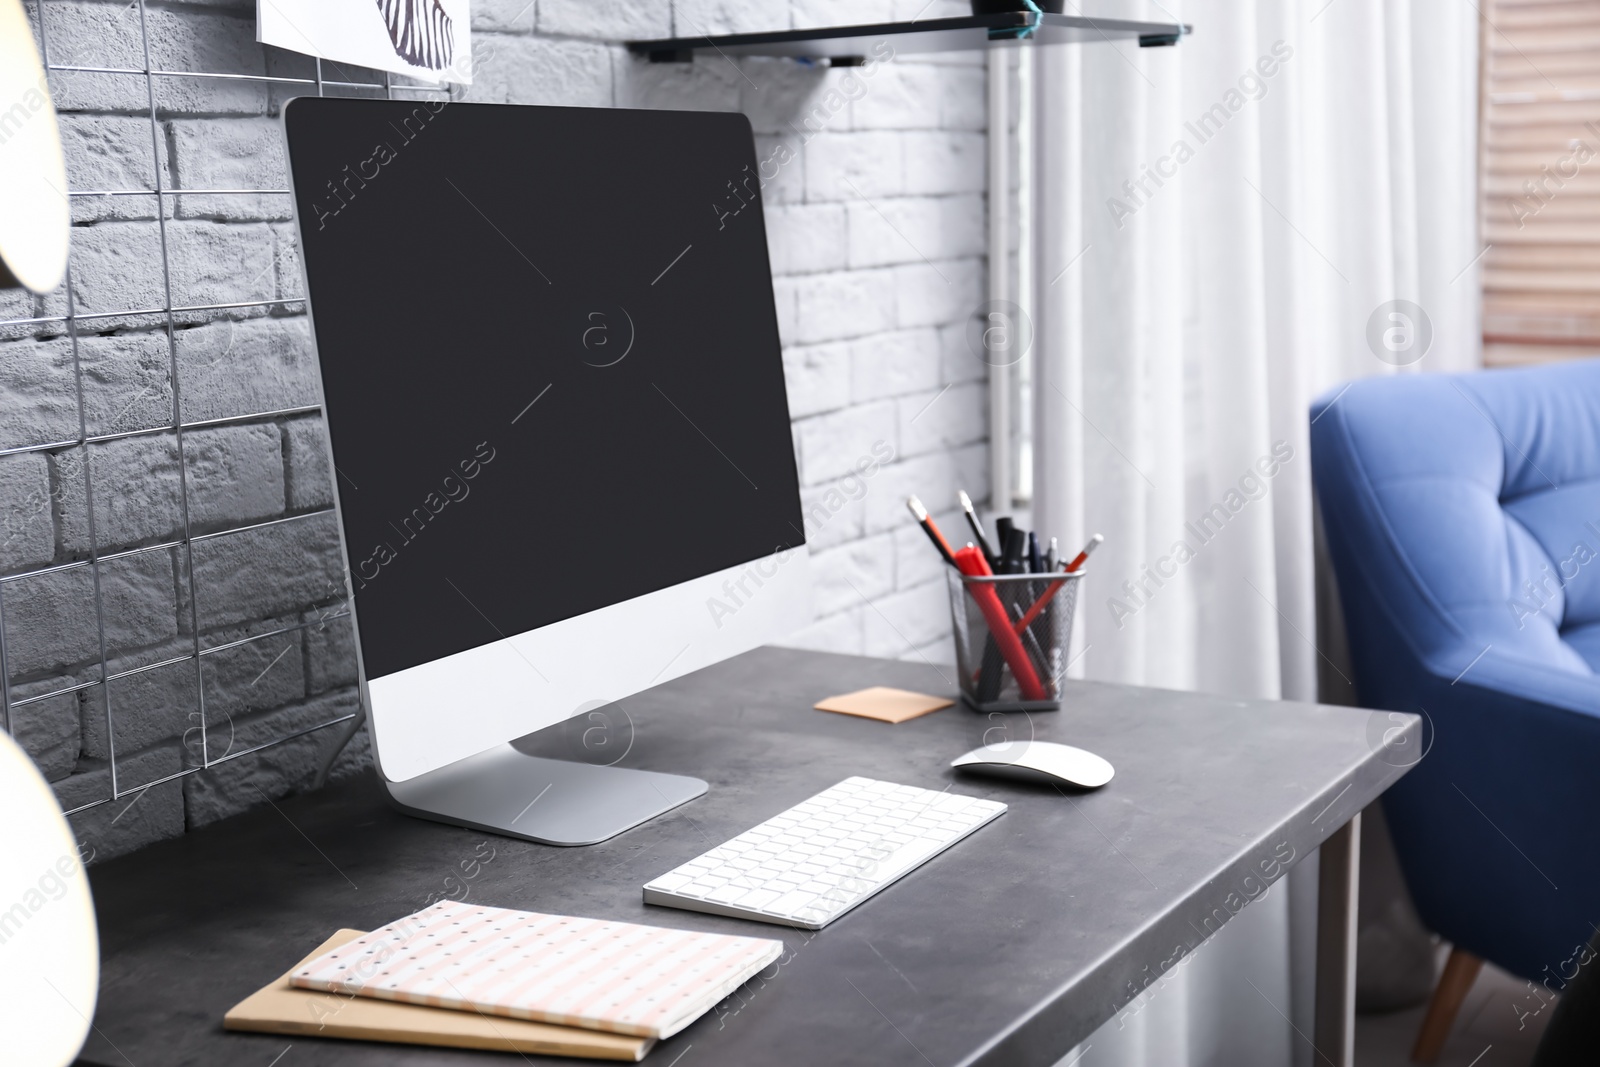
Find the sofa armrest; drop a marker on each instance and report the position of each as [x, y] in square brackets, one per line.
[1528, 680]
[1495, 826]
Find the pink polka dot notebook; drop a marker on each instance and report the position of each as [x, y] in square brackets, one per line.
[623, 978]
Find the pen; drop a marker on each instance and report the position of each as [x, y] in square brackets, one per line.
[1011, 554]
[990, 669]
[928, 527]
[1035, 561]
[1094, 543]
[977, 528]
[1052, 557]
[1002, 527]
[1027, 635]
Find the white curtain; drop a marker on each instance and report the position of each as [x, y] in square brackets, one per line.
[1217, 230]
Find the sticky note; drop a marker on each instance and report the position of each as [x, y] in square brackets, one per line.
[884, 704]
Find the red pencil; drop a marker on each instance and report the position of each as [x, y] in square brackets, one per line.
[1038, 606]
[1094, 543]
[1055, 587]
[931, 529]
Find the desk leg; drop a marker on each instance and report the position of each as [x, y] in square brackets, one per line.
[1337, 888]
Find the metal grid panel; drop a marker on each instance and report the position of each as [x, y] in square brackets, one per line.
[168, 312]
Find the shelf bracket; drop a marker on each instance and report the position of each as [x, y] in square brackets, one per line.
[1023, 32]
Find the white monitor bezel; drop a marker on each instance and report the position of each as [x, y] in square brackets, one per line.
[437, 713]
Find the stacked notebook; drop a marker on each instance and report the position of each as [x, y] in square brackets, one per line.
[552, 983]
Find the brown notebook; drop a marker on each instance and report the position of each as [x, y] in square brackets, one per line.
[283, 1009]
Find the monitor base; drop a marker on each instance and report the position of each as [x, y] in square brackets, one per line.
[554, 802]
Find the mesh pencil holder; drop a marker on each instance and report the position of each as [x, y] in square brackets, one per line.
[1022, 667]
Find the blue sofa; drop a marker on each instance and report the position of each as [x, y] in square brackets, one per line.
[1462, 518]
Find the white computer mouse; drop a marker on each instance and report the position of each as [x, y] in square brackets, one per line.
[1035, 759]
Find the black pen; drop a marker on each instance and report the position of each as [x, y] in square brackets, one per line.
[1035, 561]
[1011, 561]
[1002, 527]
[977, 531]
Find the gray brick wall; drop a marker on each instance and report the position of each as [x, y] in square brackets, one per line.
[875, 209]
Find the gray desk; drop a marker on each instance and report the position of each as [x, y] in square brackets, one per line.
[1007, 949]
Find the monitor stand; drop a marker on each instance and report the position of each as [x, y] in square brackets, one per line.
[556, 802]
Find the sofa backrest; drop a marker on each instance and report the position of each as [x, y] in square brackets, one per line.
[1463, 512]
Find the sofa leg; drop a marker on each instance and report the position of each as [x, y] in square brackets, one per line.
[1460, 971]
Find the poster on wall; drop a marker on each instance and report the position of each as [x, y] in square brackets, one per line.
[427, 39]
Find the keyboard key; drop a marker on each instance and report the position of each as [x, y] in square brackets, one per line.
[669, 882]
[758, 898]
[792, 902]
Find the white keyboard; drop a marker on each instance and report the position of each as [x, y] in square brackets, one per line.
[822, 857]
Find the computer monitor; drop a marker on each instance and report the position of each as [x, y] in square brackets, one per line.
[558, 431]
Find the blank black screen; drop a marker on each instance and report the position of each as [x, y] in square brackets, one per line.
[550, 359]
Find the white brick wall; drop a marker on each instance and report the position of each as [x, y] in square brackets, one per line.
[875, 206]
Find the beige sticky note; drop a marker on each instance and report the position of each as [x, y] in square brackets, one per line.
[885, 704]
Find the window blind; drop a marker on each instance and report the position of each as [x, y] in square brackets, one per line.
[1540, 174]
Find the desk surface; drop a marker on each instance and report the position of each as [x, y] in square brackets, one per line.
[1009, 948]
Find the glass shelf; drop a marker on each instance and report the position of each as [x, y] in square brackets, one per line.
[851, 45]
